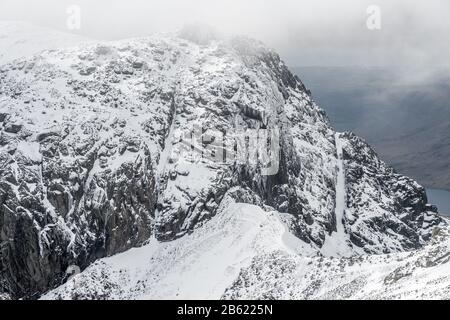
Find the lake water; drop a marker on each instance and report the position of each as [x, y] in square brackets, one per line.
[440, 198]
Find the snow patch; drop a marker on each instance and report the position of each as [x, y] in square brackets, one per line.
[338, 243]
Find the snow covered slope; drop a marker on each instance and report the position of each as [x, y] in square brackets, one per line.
[420, 274]
[201, 265]
[22, 39]
[92, 166]
[247, 253]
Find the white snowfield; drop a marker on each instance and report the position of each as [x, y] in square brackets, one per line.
[247, 253]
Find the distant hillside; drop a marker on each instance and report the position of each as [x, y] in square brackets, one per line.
[407, 120]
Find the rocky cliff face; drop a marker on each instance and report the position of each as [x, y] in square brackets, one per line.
[91, 163]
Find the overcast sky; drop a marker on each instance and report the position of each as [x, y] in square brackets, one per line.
[304, 32]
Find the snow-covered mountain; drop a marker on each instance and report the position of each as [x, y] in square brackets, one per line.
[91, 167]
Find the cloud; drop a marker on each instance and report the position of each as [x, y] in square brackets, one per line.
[307, 32]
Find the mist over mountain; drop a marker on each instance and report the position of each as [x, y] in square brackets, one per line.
[404, 115]
[20, 39]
